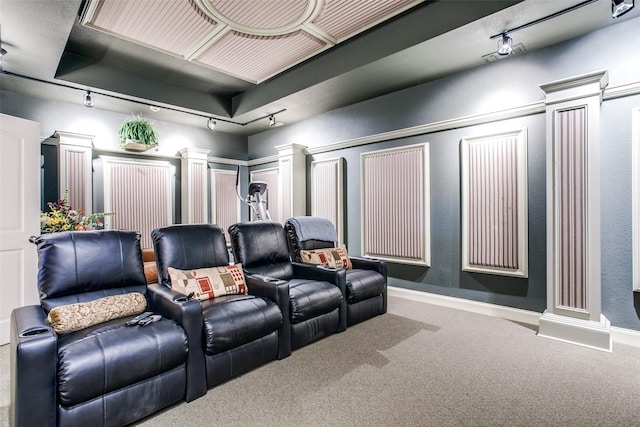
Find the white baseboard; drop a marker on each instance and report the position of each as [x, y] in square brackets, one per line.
[618, 335]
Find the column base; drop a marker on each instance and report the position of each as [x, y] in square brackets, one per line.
[587, 333]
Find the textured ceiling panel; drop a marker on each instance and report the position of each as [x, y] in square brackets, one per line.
[173, 26]
[343, 19]
[249, 39]
[259, 57]
[262, 13]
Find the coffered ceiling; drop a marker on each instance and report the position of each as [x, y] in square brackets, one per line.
[240, 60]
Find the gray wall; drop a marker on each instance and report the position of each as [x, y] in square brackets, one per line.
[505, 84]
[104, 125]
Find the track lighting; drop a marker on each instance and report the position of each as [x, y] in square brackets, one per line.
[505, 45]
[211, 124]
[620, 7]
[88, 99]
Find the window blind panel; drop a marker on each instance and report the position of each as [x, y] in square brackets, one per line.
[326, 192]
[198, 192]
[76, 179]
[571, 155]
[226, 210]
[140, 195]
[494, 204]
[395, 204]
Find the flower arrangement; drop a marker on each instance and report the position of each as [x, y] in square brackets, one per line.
[61, 217]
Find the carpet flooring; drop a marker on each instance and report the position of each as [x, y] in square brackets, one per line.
[420, 365]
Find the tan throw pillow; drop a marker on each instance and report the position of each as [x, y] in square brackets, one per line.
[73, 317]
[331, 257]
[208, 283]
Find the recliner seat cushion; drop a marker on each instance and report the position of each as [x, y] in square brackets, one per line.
[234, 320]
[364, 284]
[100, 359]
[311, 298]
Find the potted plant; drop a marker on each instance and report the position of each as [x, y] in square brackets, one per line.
[137, 134]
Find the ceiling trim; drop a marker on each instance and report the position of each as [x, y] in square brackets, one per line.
[313, 9]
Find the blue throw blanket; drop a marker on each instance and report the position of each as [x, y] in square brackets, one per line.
[314, 228]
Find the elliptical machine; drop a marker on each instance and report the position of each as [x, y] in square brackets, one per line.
[255, 199]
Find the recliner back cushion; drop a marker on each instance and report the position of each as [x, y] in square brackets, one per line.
[188, 247]
[261, 248]
[78, 266]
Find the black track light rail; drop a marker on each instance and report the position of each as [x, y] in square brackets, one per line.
[544, 18]
[122, 98]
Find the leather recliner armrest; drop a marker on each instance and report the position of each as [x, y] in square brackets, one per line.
[337, 276]
[369, 264]
[277, 290]
[188, 314]
[34, 348]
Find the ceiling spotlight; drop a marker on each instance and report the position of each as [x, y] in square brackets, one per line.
[211, 124]
[272, 121]
[2, 52]
[88, 100]
[505, 45]
[620, 7]
[154, 108]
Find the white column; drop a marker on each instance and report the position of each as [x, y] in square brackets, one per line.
[292, 180]
[194, 185]
[74, 169]
[573, 311]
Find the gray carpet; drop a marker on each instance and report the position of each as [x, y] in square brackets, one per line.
[421, 365]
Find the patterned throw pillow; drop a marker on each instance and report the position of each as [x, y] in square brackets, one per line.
[208, 283]
[331, 257]
[73, 317]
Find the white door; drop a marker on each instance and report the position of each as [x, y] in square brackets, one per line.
[19, 215]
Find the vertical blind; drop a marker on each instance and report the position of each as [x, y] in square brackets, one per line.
[140, 194]
[571, 199]
[225, 209]
[395, 204]
[493, 202]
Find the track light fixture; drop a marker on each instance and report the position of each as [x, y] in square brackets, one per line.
[211, 124]
[88, 99]
[505, 45]
[272, 120]
[620, 7]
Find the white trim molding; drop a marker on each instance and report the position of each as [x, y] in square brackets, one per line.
[618, 335]
[574, 312]
[635, 170]
[494, 203]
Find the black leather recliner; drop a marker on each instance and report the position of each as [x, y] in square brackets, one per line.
[316, 295]
[108, 374]
[230, 334]
[366, 289]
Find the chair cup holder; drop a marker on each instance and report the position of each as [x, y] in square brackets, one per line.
[38, 330]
